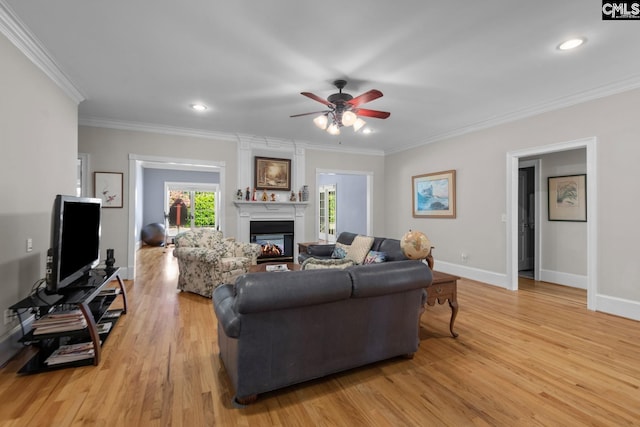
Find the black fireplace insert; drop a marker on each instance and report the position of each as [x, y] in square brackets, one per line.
[275, 239]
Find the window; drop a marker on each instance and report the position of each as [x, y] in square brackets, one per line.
[190, 205]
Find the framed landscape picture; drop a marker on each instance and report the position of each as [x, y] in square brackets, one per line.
[434, 195]
[108, 187]
[272, 174]
[568, 198]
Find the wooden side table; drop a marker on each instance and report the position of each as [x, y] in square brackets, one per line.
[444, 288]
[302, 247]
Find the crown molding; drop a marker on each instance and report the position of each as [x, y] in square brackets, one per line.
[18, 33]
[603, 91]
[242, 140]
[155, 128]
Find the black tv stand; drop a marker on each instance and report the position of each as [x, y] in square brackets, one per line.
[94, 306]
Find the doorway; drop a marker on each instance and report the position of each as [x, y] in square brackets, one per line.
[137, 164]
[513, 167]
[353, 203]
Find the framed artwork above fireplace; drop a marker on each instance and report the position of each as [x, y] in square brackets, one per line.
[272, 174]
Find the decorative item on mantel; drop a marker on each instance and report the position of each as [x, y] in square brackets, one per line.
[264, 196]
[247, 195]
[239, 194]
[273, 197]
[255, 196]
[305, 193]
[292, 198]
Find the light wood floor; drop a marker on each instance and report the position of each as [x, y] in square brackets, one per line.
[535, 357]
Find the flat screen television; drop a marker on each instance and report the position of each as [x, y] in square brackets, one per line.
[75, 241]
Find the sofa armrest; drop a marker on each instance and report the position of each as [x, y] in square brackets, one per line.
[223, 298]
[321, 250]
[388, 278]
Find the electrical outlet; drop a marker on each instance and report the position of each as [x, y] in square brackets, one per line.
[9, 316]
[465, 257]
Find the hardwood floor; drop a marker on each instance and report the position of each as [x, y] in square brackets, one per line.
[535, 357]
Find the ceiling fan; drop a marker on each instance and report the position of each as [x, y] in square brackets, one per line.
[344, 109]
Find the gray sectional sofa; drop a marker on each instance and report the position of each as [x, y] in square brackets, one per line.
[391, 247]
[279, 329]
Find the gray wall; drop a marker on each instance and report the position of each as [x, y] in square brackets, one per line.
[480, 161]
[153, 183]
[38, 137]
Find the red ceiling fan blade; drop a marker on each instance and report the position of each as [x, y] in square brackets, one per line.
[317, 98]
[365, 97]
[308, 114]
[372, 113]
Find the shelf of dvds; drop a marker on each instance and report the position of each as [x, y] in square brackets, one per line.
[71, 331]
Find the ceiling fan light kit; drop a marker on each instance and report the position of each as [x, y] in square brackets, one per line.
[321, 121]
[344, 109]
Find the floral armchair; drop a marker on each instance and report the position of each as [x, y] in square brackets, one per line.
[207, 260]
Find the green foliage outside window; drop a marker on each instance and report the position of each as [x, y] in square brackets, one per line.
[332, 212]
[205, 209]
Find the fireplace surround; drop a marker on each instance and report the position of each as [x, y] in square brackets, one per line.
[249, 212]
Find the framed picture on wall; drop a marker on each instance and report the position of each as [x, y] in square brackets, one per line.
[568, 198]
[434, 195]
[272, 174]
[108, 187]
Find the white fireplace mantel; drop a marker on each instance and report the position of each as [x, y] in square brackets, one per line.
[271, 211]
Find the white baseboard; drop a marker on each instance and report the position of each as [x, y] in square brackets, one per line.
[606, 304]
[566, 279]
[618, 306]
[489, 277]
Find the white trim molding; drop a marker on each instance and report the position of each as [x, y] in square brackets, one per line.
[18, 33]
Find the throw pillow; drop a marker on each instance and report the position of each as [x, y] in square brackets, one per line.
[319, 264]
[374, 257]
[359, 248]
[340, 251]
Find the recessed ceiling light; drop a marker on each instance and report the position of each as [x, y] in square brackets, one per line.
[366, 131]
[571, 43]
[199, 107]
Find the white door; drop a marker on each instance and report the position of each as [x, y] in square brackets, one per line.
[327, 208]
[189, 205]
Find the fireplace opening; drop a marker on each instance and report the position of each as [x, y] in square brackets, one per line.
[275, 239]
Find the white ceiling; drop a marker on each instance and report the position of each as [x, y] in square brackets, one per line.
[444, 67]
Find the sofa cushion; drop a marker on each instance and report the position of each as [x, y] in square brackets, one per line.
[359, 248]
[319, 264]
[259, 292]
[393, 250]
[340, 251]
[374, 257]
